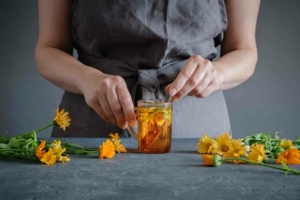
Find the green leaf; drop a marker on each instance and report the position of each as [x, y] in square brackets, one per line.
[4, 146]
[276, 137]
[257, 136]
[14, 143]
[3, 137]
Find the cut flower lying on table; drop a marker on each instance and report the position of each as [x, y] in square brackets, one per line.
[28, 146]
[254, 149]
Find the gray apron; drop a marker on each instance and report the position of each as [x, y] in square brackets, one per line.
[147, 42]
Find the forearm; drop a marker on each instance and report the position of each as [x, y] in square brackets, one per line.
[62, 69]
[235, 67]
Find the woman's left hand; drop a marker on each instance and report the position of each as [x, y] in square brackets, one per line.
[198, 78]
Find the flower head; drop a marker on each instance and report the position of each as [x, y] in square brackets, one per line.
[62, 120]
[49, 158]
[286, 144]
[223, 144]
[56, 146]
[211, 160]
[290, 156]
[107, 150]
[237, 150]
[64, 159]
[257, 153]
[114, 136]
[205, 144]
[39, 151]
[117, 142]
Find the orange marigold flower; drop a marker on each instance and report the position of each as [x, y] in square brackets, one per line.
[290, 156]
[117, 142]
[211, 160]
[39, 151]
[62, 120]
[56, 146]
[49, 158]
[205, 144]
[223, 144]
[257, 153]
[107, 150]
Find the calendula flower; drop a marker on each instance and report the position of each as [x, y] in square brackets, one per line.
[223, 144]
[115, 136]
[286, 144]
[62, 120]
[58, 151]
[49, 158]
[211, 160]
[117, 142]
[205, 144]
[237, 150]
[56, 146]
[64, 159]
[257, 153]
[290, 156]
[39, 151]
[106, 150]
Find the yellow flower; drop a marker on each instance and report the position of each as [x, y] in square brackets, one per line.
[222, 145]
[257, 153]
[205, 144]
[49, 158]
[237, 150]
[117, 142]
[114, 136]
[107, 150]
[56, 147]
[120, 148]
[64, 159]
[286, 144]
[62, 119]
[39, 151]
[211, 160]
[290, 156]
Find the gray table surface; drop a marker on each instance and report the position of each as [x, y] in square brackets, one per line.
[175, 175]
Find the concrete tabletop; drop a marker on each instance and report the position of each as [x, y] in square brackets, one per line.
[179, 174]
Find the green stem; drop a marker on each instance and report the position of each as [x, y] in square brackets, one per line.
[20, 150]
[45, 127]
[79, 146]
[72, 150]
[262, 164]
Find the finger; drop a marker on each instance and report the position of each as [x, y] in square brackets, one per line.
[182, 77]
[202, 85]
[103, 101]
[208, 90]
[127, 104]
[97, 107]
[116, 108]
[193, 82]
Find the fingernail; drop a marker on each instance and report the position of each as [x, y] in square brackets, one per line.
[172, 91]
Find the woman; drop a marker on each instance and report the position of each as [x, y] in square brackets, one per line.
[129, 50]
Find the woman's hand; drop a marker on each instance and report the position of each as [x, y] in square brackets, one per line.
[198, 78]
[109, 97]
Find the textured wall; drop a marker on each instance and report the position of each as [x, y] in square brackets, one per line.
[269, 101]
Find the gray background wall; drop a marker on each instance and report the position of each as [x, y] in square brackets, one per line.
[268, 102]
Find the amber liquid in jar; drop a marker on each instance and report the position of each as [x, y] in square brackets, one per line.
[155, 129]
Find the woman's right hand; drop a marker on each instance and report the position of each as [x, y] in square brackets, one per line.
[109, 97]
